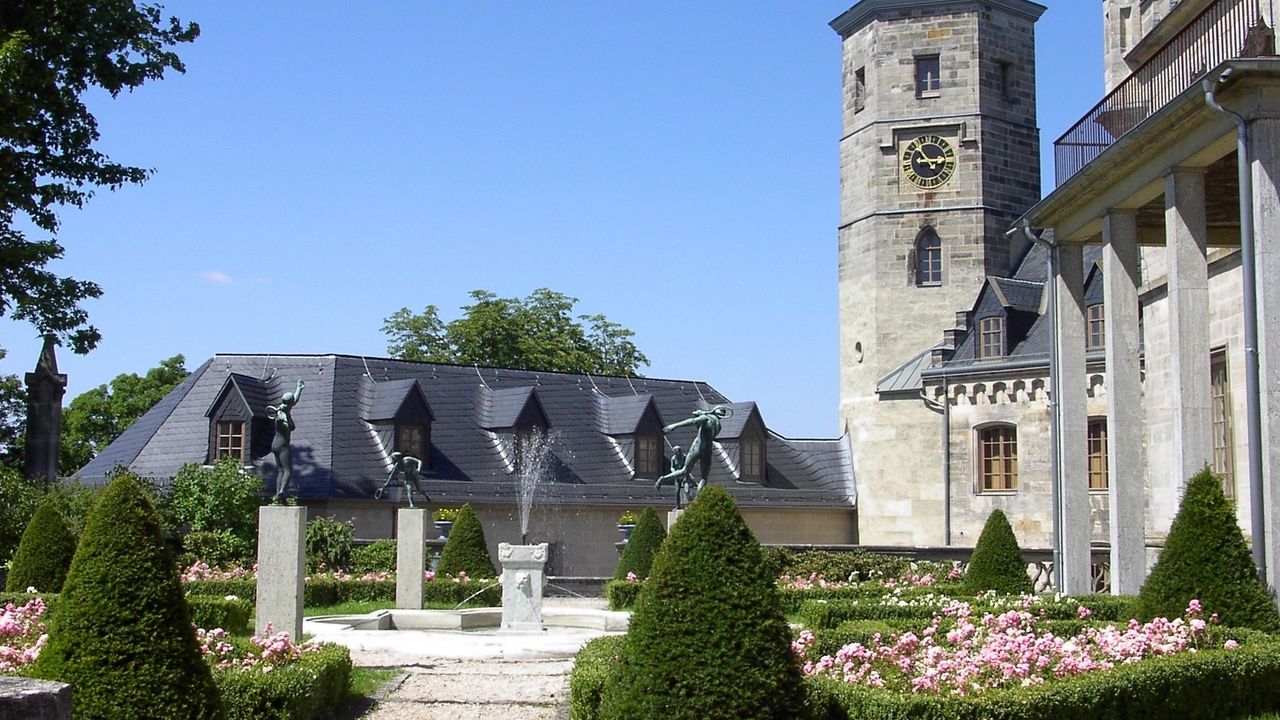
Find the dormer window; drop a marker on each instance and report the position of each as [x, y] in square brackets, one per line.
[399, 413]
[991, 337]
[752, 459]
[238, 419]
[648, 455]
[634, 425]
[230, 440]
[410, 440]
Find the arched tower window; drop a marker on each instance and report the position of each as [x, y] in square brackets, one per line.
[928, 258]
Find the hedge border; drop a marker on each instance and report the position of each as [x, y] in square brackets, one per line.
[594, 665]
[309, 688]
[332, 592]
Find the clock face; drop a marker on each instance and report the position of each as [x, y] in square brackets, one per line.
[928, 161]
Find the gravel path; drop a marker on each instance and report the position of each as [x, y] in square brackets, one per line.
[476, 690]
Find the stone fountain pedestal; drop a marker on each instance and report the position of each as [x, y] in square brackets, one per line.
[522, 582]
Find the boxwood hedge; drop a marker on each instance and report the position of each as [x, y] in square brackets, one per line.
[592, 669]
[327, 591]
[310, 688]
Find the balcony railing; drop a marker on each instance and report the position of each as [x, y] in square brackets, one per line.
[1223, 30]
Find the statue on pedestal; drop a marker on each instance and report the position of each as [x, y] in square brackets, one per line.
[283, 415]
[707, 423]
[411, 467]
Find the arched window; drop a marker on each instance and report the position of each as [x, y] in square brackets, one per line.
[928, 258]
[997, 458]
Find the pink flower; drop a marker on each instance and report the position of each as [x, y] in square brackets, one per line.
[1231, 645]
[631, 577]
[1084, 612]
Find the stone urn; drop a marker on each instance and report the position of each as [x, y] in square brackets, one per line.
[444, 526]
[626, 529]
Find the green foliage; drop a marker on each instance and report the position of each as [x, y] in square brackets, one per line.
[122, 634]
[646, 538]
[1207, 685]
[98, 416]
[996, 563]
[466, 549]
[707, 637]
[310, 688]
[377, 556]
[534, 333]
[444, 514]
[19, 498]
[221, 498]
[51, 53]
[45, 553]
[857, 564]
[76, 501]
[1205, 557]
[593, 668]
[622, 594]
[321, 591]
[245, 588]
[329, 544]
[818, 614]
[628, 517]
[220, 548]
[211, 612]
[13, 420]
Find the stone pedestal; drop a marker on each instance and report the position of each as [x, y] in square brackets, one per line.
[672, 517]
[411, 545]
[26, 699]
[522, 581]
[282, 536]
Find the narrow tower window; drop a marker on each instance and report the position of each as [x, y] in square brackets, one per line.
[1097, 335]
[928, 76]
[928, 258]
[1220, 412]
[859, 89]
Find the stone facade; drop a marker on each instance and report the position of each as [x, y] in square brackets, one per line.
[984, 108]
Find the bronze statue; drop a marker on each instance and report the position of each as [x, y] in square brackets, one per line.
[280, 443]
[411, 467]
[708, 425]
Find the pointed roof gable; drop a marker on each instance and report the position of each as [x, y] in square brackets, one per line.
[731, 427]
[255, 393]
[502, 407]
[621, 414]
[383, 400]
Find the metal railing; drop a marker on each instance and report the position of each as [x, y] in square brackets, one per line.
[1223, 30]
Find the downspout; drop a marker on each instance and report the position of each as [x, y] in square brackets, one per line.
[1055, 438]
[1257, 519]
[944, 407]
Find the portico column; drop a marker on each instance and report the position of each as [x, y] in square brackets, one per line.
[1264, 151]
[1073, 421]
[1125, 459]
[1185, 235]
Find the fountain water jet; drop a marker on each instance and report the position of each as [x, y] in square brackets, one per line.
[523, 575]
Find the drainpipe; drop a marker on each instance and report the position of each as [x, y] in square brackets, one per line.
[1253, 403]
[944, 408]
[1055, 439]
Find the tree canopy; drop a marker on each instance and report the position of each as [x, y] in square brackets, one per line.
[538, 332]
[98, 416]
[51, 53]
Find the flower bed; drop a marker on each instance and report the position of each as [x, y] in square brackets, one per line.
[334, 587]
[903, 604]
[273, 677]
[22, 635]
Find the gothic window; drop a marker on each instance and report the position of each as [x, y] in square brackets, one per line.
[998, 458]
[859, 89]
[991, 337]
[1098, 454]
[229, 440]
[1220, 413]
[928, 258]
[928, 76]
[648, 455]
[1096, 338]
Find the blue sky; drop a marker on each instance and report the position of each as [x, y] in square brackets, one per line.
[322, 164]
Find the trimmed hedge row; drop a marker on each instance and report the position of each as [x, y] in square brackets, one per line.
[309, 688]
[820, 614]
[1208, 685]
[832, 565]
[326, 591]
[594, 665]
[622, 594]
[829, 641]
[793, 600]
[211, 612]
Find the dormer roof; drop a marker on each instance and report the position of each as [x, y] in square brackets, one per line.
[621, 414]
[385, 399]
[256, 394]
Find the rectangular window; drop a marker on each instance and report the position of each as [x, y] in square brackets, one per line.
[1006, 79]
[998, 458]
[991, 337]
[751, 458]
[1096, 338]
[1220, 412]
[409, 440]
[928, 76]
[859, 89]
[230, 439]
[648, 456]
[1098, 454]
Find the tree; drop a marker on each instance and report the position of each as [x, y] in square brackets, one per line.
[13, 419]
[219, 508]
[996, 563]
[45, 553]
[466, 550]
[51, 53]
[1206, 558]
[534, 333]
[19, 498]
[98, 416]
[646, 539]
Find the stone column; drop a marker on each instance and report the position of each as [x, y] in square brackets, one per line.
[411, 546]
[1126, 464]
[1073, 422]
[282, 541]
[1265, 153]
[1186, 235]
[522, 581]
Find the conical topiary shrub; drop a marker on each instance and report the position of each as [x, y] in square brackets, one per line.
[44, 554]
[996, 563]
[1205, 558]
[466, 549]
[122, 633]
[646, 538]
[707, 638]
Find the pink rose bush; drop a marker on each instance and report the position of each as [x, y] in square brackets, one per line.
[199, 571]
[921, 576]
[960, 654]
[262, 654]
[22, 635]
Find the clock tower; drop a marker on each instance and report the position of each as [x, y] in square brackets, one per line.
[938, 157]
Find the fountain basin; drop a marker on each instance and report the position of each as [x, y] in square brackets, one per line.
[406, 637]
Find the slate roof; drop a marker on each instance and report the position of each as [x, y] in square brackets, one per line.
[384, 399]
[337, 453]
[732, 426]
[257, 394]
[621, 414]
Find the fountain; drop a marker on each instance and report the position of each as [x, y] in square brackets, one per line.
[523, 576]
